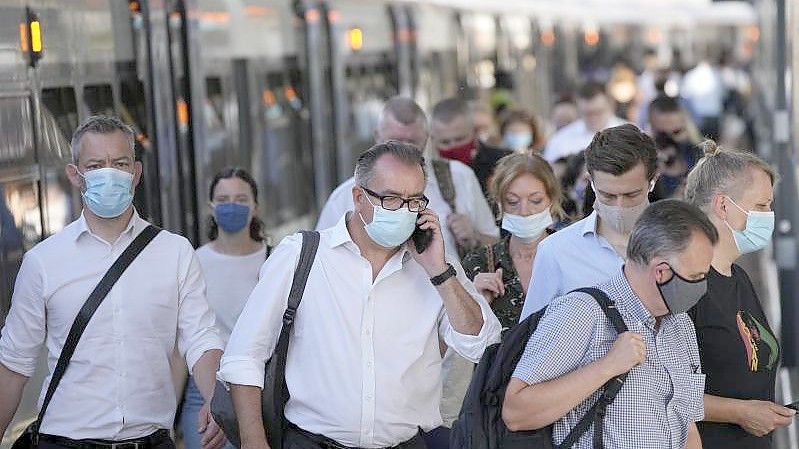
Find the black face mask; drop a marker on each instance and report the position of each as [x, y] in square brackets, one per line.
[681, 294]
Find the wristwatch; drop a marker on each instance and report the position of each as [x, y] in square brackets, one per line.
[441, 278]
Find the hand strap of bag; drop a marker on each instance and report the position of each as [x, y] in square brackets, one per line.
[310, 243]
[87, 311]
[596, 414]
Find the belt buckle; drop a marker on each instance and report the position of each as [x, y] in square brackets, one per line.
[127, 445]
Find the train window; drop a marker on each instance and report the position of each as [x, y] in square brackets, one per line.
[99, 99]
[59, 120]
[214, 114]
[16, 133]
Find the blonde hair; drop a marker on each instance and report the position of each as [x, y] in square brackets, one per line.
[722, 171]
[514, 165]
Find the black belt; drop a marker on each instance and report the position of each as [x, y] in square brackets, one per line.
[147, 442]
[329, 443]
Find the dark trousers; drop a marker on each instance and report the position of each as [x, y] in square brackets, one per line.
[49, 442]
[296, 438]
[437, 438]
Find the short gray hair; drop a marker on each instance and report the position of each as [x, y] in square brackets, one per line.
[405, 152]
[100, 124]
[404, 110]
[447, 110]
[665, 229]
[721, 171]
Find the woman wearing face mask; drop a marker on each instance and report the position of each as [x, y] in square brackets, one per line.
[528, 195]
[230, 263]
[520, 132]
[739, 352]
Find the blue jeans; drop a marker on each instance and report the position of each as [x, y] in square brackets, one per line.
[192, 403]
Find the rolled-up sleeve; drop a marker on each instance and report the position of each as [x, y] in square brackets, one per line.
[255, 335]
[197, 333]
[471, 347]
[545, 283]
[25, 327]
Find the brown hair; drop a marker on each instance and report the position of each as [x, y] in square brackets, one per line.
[619, 149]
[522, 116]
[514, 165]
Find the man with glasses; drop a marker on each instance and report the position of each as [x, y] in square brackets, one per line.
[364, 364]
[595, 108]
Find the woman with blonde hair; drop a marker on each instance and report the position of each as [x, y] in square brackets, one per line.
[528, 195]
[740, 354]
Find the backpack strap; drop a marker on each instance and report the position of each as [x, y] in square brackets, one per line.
[447, 187]
[596, 414]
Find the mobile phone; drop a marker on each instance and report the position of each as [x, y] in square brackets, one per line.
[793, 405]
[421, 238]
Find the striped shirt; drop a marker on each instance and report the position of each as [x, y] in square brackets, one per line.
[661, 396]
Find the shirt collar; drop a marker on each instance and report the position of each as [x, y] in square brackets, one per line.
[341, 236]
[631, 305]
[589, 224]
[135, 225]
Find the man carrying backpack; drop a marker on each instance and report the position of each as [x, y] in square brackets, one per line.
[575, 353]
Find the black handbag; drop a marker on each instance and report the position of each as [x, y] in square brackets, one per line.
[30, 438]
[275, 392]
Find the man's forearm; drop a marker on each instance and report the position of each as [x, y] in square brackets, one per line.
[204, 372]
[247, 403]
[463, 311]
[720, 409]
[11, 386]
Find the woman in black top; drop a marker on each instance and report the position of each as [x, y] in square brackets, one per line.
[528, 195]
[739, 352]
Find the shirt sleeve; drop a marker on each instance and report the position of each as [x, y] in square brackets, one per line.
[560, 342]
[24, 332]
[475, 203]
[255, 335]
[471, 347]
[197, 332]
[545, 282]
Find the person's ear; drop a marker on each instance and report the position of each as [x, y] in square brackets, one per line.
[74, 176]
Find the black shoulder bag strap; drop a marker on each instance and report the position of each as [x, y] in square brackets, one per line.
[87, 311]
[310, 243]
[596, 415]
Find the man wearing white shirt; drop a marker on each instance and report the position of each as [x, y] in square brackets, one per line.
[364, 360]
[596, 113]
[473, 222]
[118, 385]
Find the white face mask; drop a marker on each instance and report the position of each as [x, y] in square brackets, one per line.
[622, 219]
[528, 228]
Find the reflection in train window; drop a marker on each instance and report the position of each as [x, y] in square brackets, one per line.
[99, 99]
[59, 120]
[283, 166]
[16, 133]
[20, 229]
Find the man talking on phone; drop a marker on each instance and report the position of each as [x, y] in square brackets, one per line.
[364, 359]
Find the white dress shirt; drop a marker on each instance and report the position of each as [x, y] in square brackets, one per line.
[469, 201]
[364, 363]
[229, 280]
[118, 384]
[573, 138]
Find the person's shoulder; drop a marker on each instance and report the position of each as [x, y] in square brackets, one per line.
[54, 242]
[460, 170]
[569, 234]
[575, 309]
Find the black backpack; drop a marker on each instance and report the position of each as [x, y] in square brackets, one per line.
[480, 424]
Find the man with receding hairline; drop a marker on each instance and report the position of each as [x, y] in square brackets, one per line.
[470, 224]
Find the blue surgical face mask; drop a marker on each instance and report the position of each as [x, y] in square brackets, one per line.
[390, 228]
[528, 228]
[232, 217]
[109, 192]
[518, 140]
[756, 234]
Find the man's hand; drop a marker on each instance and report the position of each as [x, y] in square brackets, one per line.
[212, 435]
[628, 351]
[432, 258]
[761, 417]
[462, 229]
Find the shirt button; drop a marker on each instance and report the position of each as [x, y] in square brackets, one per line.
[368, 332]
[368, 397]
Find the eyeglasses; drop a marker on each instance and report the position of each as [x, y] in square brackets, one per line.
[391, 202]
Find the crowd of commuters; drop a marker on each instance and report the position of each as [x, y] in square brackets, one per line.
[517, 212]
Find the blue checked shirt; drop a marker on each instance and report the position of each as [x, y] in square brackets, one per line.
[661, 396]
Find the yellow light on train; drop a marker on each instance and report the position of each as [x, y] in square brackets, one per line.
[182, 112]
[36, 36]
[753, 33]
[355, 38]
[591, 37]
[548, 38]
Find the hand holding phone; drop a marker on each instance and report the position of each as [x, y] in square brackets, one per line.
[422, 238]
[793, 406]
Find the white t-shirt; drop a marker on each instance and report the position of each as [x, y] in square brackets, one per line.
[229, 281]
[573, 138]
[469, 200]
